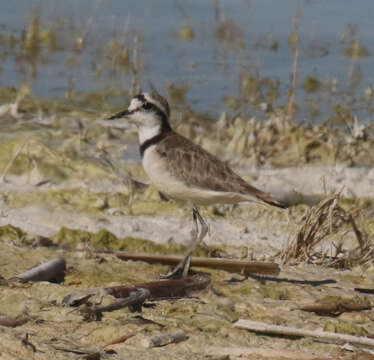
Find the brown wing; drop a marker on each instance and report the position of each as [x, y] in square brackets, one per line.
[204, 170]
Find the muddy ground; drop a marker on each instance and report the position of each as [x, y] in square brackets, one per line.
[60, 194]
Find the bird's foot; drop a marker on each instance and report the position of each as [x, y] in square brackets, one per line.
[179, 271]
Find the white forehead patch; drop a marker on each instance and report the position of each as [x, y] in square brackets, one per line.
[135, 103]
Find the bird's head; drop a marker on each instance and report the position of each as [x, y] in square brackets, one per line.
[146, 111]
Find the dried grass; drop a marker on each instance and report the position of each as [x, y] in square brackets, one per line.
[322, 221]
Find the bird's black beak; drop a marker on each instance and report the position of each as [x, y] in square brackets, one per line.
[121, 114]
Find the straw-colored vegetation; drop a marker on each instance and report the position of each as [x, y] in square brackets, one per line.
[321, 223]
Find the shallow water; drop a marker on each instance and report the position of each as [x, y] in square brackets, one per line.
[208, 67]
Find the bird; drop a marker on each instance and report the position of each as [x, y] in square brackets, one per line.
[182, 170]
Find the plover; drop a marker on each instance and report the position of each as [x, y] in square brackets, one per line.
[182, 170]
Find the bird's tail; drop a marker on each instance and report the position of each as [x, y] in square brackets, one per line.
[270, 200]
[277, 203]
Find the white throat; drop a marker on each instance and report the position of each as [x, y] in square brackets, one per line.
[148, 132]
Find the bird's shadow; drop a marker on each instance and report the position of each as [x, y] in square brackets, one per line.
[264, 279]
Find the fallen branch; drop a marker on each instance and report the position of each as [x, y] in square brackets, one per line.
[134, 301]
[255, 353]
[335, 309]
[163, 288]
[132, 294]
[230, 265]
[296, 332]
[365, 290]
[52, 271]
[164, 339]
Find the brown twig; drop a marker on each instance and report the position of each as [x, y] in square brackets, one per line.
[123, 338]
[359, 236]
[52, 271]
[365, 290]
[28, 344]
[231, 265]
[134, 301]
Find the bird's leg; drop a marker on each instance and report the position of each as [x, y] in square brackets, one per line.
[204, 229]
[195, 230]
[196, 240]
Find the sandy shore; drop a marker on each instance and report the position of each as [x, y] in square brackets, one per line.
[296, 185]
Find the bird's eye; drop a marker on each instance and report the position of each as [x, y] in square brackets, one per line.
[147, 106]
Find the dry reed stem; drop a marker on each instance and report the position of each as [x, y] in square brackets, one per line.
[294, 43]
[13, 159]
[135, 88]
[325, 219]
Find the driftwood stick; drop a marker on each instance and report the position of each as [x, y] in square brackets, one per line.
[163, 288]
[136, 297]
[134, 302]
[335, 309]
[164, 339]
[52, 271]
[123, 338]
[293, 331]
[238, 266]
[365, 290]
[262, 353]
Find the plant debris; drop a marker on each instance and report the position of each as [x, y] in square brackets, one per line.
[134, 302]
[320, 222]
[164, 339]
[334, 306]
[163, 288]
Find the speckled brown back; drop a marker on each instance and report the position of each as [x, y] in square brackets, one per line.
[196, 167]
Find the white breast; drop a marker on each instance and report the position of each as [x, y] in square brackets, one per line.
[156, 168]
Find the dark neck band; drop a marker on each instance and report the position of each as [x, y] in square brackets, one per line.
[152, 141]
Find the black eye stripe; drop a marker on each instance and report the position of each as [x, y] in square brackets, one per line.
[148, 106]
